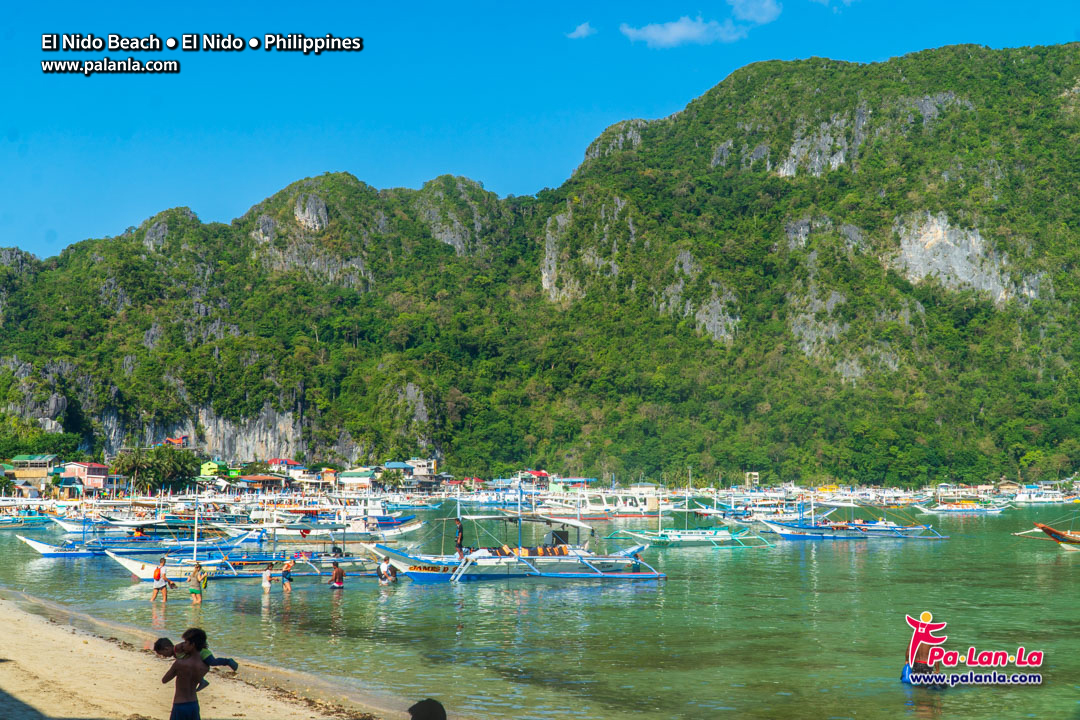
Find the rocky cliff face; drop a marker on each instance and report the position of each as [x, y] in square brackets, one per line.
[802, 224]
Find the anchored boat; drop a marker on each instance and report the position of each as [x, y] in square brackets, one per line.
[553, 559]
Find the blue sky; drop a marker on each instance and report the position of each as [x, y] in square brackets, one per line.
[506, 93]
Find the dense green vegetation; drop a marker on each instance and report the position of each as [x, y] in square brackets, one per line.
[417, 321]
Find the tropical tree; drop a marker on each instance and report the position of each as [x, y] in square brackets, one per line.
[135, 464]
[169, 465]
[392, 479]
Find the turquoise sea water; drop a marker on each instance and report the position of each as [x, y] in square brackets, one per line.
[802, 630]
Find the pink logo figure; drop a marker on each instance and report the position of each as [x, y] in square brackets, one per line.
[923, 633]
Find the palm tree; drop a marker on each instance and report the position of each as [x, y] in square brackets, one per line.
[134, 463]
[392, 479]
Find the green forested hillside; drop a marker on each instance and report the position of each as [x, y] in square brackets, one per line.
[817, 269]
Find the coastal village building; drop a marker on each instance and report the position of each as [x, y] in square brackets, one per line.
[36, 469]
[213, 467]
[283, 465]
[91, 475]
[354, 480]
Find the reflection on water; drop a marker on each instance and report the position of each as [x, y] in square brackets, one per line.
[804, 629]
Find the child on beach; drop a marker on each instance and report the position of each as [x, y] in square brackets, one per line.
[194, 642]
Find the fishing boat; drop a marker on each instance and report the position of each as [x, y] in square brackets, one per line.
[23, 520]
[93, 548]
[963, 508]
[554, 559]
[855, 530]
[1041, 496]
[239, 567]
[1065, 539]
[717, 537]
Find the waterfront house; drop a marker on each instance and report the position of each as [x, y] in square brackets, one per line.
[424, 466]
[258, 482]
[352, 480]
[213, 467]
[306, 479]
[25, 489]
[282, 465]
[90, 474]
[68, 488]
[34, 467]
[405, 468]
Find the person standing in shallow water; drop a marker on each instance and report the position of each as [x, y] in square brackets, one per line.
[459, 539]
[337, 577]
[286, 576]
[161, 582]
[195, 584]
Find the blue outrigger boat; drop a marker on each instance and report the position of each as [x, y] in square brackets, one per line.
[555, 559]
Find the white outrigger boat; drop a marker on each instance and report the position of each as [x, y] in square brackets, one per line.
[721, 538]
[553, 559]
[963, 508]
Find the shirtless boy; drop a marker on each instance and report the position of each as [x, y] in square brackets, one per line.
[187, 672]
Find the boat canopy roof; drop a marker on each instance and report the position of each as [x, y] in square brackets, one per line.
[567, 522]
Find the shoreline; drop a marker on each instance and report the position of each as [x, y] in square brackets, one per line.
[46, 647]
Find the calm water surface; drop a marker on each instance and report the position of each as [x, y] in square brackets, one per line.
[802, 630]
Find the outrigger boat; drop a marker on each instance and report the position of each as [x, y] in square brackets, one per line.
[872, 530]
[718, 537]
[962, 508]
[554, 559]
[1066, 540]
[816, 529]
[97, 548]
[237, 567]
[23, 520]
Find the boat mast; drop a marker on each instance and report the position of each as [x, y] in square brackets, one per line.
[195, 545]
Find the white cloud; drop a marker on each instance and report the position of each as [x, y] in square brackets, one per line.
[684, 31]
[583, 30]
[758, 12]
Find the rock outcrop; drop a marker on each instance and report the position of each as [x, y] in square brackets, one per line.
[959, 258]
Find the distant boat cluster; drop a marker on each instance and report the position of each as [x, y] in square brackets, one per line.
[236, 534]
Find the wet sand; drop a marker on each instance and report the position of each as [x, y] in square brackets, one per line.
[52, 670]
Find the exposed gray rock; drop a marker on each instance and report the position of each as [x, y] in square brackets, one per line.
[811, 320]
[797, 232]
[265, 229]
[569, 289]
[310, 212]
[129, 364]
[957, 257]
[759, 152]
[151, 336]
[18, 260]
[602, 265]
[50, 426]
[717, 317]
[113, 295]
[850, 369]
[822, 148]
[382, 223]
[931, 106]
[155, 236]
[312, 259]
[853, 236]
[672, 300]
[620, 136]
[723, 151]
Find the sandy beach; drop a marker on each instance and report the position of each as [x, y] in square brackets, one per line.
[51, 670]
